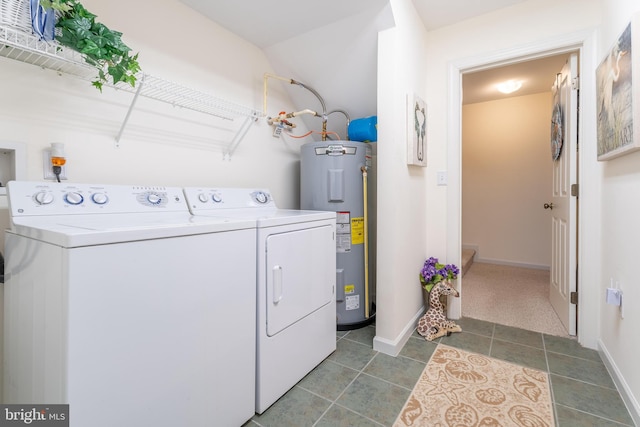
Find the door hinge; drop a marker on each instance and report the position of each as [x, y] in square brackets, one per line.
[575, 189]
[574, 298]
[575, 83]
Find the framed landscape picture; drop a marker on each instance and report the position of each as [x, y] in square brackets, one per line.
[617, 95]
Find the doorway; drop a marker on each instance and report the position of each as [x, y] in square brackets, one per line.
[505, 148]
[584, 42]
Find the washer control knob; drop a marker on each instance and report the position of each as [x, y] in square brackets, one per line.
[261, 197]
[154, 198]
[73, 198]
[216, 198]
[203, 198]
[43, 198]
[100, 198]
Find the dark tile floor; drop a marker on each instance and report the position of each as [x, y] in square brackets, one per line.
[357, 386]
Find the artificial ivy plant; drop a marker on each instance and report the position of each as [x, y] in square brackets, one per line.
[100, 46]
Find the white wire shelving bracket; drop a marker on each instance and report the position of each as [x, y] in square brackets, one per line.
[18, 45]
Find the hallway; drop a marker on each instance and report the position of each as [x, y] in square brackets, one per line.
[511, 296]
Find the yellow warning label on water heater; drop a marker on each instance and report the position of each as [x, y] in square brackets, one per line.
[349, 289]
[357, 231]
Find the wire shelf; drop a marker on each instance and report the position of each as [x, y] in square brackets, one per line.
[22, 46]
[186, 97]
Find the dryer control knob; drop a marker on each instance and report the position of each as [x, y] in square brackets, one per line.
[43, 198]
[100, 198]
[261, 197]
[73, 198]
[216, 198]
[203, 198]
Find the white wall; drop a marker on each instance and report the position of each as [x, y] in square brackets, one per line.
[620, 210]
[609, 229]
[176, 44]
[403, 213]
[339, 61]
[533, 27]
[410, 201]
[506, 179]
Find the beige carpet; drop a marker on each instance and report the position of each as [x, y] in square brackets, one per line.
[512, 296]
[463, 389]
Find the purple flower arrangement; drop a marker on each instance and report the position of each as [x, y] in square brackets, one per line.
[433, 272]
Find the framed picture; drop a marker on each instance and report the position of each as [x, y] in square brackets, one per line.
[617, 97]
[416, 131]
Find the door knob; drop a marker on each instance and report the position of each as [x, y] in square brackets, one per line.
[548, 206]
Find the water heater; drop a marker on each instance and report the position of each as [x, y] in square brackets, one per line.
[339, 176]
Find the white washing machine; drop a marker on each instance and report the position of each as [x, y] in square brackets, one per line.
[122, 304]
[296, 276]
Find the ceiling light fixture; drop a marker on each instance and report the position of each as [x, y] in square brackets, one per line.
[509, 86]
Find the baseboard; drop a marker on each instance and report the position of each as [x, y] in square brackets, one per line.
[393, 348]
[510, 263]
[623, 388]
[479, 258]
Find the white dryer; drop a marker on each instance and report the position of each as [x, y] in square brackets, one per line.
[296, 275]
[122, 304]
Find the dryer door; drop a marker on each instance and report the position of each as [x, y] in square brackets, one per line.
[300, 272]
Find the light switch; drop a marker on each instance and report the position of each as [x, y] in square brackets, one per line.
[614, 296]
[442, 178]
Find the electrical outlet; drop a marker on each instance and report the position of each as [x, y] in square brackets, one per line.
[48, 167]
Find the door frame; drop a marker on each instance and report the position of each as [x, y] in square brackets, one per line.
[588, 266]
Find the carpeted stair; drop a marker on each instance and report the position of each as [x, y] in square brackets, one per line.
[467, 259]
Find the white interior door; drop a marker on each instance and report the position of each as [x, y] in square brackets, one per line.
[563, 205]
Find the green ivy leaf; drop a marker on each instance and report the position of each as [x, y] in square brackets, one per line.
[60, 5]
[78, 25]
[101, 47]
[89, 47]
[118, 73]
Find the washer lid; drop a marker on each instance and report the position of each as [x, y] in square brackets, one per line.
[70, 231]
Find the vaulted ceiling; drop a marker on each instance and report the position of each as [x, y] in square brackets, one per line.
[331, 45]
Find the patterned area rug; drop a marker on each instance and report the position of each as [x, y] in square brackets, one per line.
[461, 389]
